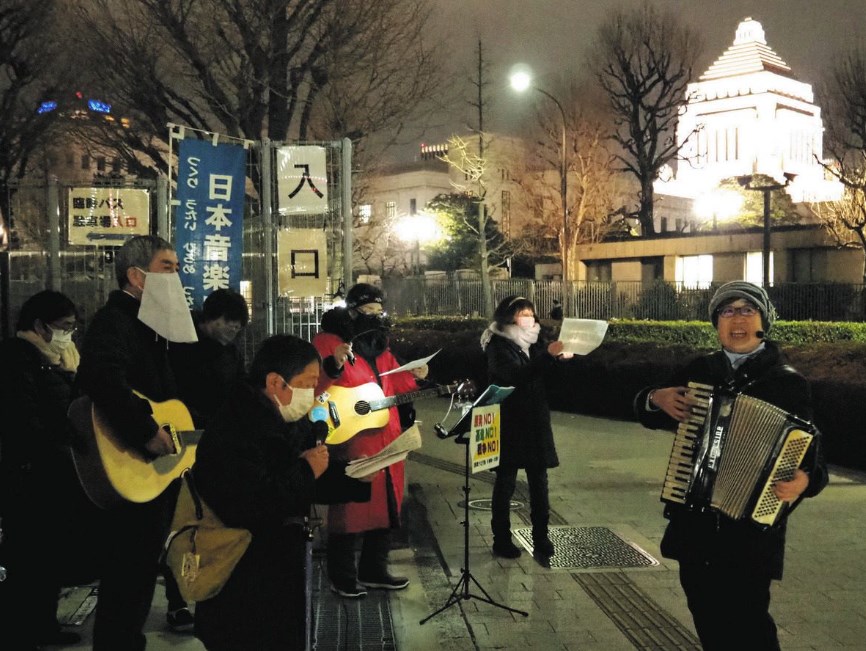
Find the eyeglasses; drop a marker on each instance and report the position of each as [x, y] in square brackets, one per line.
[745, 310]
[65, 329]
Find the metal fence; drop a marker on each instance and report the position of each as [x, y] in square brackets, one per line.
[659, 300]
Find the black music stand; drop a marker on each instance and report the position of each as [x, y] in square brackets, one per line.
[492, 395]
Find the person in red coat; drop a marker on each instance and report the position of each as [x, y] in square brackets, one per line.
[360, 325]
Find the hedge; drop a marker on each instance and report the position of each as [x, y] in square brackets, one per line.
[637, 353]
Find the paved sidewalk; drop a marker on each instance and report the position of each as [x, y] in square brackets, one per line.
[609, 479]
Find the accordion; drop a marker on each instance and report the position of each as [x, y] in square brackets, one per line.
[729, 452]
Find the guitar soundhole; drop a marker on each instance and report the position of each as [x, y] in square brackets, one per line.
[362, 408]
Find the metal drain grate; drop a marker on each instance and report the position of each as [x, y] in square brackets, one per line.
[589, 547]
[350, 623]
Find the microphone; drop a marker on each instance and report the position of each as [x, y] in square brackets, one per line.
[441, 432]
[351, 358]
[319, 417]
[759, 334]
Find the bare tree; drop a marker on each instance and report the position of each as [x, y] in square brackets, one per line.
[25, 79]
[644, 60]
[306, 69]
[845, 220]
[492, 248]
[590, 175]
[843, 101]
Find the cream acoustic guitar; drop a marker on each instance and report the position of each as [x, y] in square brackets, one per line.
[111, 472]
[354, 409]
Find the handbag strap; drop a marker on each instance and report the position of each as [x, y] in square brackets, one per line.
[193, 491]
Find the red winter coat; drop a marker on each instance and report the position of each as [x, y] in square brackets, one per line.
[354, 517]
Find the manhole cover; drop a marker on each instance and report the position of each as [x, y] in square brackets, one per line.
[485, 504]
[589, 547]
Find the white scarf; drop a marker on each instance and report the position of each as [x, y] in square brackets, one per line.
[523, 337]
[67, 360]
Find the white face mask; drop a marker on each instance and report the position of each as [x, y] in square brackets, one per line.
[60, 340]
[302, 402]
[164, 308]
[526, 321]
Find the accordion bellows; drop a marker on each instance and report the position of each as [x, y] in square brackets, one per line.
[730, 451]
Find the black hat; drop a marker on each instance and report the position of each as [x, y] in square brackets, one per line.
[362, 294]
[741, 289]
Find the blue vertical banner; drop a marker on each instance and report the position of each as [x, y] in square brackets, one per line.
[209, 217]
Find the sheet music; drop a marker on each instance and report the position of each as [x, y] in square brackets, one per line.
[395, 451]
[408, 366]
[582, 336]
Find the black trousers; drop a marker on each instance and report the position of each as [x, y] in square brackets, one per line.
[132, 540]
[373, 563]
[730, 607]
[539, 501]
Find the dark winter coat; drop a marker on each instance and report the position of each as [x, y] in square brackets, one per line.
[119, 354]
[34, 397]
[206, 372]
[526, 434]
[248, 470]
[694, 536]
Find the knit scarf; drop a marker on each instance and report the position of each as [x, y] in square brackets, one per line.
[66, 360]
[523, 337]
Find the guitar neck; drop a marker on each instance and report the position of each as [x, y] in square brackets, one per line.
[403, 398]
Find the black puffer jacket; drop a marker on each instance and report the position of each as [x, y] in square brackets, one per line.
[694, 536]
[527, 437]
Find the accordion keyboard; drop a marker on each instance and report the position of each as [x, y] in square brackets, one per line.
[686, 441]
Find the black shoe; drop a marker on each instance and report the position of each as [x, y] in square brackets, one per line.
[180, 620]
[348, 589]
[543, 547]
[506, 549]
[59, 637]
[385, 582]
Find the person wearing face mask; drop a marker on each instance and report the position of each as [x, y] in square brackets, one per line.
[358, 334]
[126, 348]
[40, 498]
[260, 467]
[727, 566]
[214, 356]
[516, 357]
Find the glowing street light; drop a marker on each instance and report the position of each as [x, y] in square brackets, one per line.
[418, 228]
[521, 80]
[718, 204]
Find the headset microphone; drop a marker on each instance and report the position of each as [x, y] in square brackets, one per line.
[759, 334]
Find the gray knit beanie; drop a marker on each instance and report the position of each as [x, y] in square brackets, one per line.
[741, 289]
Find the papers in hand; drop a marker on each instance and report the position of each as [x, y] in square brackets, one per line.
[408, 366]
[582, 336]
[395, 451]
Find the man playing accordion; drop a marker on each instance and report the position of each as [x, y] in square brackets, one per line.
[726, 565]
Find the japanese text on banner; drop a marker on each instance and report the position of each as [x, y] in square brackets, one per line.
[209, 217]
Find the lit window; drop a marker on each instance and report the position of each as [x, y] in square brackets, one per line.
[365, 213]
[506, 212]
[695, 271]
[390, 209]
[754, 272]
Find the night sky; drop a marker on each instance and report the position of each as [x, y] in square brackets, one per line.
[552, 36]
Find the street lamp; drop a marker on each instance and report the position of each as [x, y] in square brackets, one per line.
[747, 183]
[415, 229]
[718, 204]
[521, 79]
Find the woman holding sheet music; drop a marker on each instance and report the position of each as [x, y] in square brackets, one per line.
[515, 357]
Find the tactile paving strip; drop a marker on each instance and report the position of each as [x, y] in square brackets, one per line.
[578, 547]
